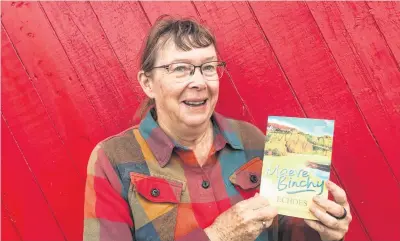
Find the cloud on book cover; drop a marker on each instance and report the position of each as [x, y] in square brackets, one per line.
[315, 127]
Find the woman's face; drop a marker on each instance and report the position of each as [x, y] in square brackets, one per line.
[189, 101]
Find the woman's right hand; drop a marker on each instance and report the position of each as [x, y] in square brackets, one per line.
[244, 221]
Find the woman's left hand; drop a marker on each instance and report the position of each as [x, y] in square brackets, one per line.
[332, 225]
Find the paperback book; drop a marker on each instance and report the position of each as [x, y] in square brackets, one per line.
[297, 163]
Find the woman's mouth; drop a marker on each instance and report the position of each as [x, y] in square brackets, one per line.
[195, 103]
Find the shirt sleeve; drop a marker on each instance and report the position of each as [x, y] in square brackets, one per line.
[107, 216]
[295, 229]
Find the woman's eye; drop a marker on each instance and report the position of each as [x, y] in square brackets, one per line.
[181, 68]
[209, 67]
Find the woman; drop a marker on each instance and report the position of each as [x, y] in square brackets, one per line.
[186, 172]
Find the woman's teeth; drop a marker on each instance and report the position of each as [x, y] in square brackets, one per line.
[195, 103]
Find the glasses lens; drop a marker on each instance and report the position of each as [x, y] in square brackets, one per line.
[213, 70]
[180, 70]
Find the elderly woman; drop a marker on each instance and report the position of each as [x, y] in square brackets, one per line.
[187, 172]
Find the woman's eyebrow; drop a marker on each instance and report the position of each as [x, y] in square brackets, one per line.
[190, 60]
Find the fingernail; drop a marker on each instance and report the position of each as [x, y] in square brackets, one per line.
[317, 199]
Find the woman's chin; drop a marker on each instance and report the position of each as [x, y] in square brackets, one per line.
[195, 119]
[195, 116]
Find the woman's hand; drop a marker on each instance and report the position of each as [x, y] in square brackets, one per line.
[244, 221]
[333, 225]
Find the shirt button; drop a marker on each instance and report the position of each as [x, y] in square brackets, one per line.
[205, 184]
[155, 192]
[253, 178]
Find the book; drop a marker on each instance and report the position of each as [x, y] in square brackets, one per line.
[297, 163]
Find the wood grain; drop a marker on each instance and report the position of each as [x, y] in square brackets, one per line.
[125, 26]
[366, 62]
[72, 114]
[178, 9]
[9, 231]
[38, 140]
[93, 58]
[323, 92]
[387, 17]
[26, 205]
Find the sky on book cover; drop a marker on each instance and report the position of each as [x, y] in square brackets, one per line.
[315, 127]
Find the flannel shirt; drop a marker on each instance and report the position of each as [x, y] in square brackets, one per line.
[142, 185]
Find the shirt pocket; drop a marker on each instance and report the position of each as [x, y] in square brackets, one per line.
[247, 178]
[154, 203]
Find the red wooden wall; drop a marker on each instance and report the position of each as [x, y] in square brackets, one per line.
[69, 80]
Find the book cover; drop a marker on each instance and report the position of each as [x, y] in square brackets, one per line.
[297, 163]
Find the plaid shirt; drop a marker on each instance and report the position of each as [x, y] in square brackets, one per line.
[141, 185]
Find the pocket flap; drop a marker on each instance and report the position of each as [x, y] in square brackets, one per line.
[248, 176]
[156, 189]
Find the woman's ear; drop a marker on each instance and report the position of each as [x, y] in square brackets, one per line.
[146, 83]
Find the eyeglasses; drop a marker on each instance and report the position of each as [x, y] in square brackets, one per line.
[211, 71]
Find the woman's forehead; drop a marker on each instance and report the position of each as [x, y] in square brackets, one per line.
[170, 53]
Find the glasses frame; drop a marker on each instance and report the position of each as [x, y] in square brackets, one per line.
[167, 67]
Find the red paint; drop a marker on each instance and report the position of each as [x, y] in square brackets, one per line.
[375, 104]
[94, 61]
[379, 89]
[26, 205]
[125, 26]
[387, 17]
[72, 82]
[56, 174]
[9, 232]
[62, 92]
[323, 92]
[155, 9]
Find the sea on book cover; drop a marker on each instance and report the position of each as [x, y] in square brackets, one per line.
[297, 163]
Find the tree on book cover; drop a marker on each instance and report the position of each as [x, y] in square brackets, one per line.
[297, 162]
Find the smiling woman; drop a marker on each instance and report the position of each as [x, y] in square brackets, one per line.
[187, 172]
[183, 96]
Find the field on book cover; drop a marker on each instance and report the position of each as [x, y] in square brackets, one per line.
[297, 162]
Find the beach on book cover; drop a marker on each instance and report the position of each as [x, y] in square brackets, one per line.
[297, 163]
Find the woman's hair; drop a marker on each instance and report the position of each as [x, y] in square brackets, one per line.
[186, 34]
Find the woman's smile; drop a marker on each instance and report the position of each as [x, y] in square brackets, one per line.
[198, 102]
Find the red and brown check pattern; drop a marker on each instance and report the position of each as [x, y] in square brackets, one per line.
[141, 185]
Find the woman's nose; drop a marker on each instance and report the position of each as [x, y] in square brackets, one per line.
[197, 80]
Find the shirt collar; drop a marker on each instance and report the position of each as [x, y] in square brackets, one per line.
[162, 145]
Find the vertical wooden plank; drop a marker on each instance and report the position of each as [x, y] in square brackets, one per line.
[230, 103]
[29, 123]
[8, 230]
[387, 17]
[60, 90]
[240, 40]
[323, 92]
[374, 76]
[125, 26]
[26, 204]
[89, 50]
